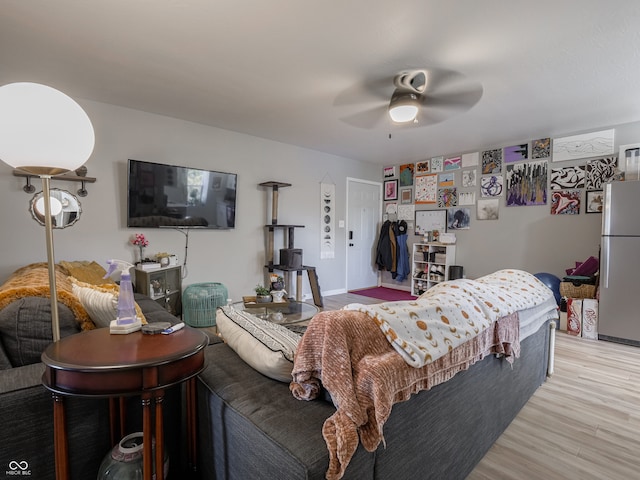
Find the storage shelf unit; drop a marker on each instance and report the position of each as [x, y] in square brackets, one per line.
[164, 285]
[430, 265]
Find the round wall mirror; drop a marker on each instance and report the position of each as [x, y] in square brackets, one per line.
[65, 208]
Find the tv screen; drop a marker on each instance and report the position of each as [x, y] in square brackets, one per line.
[170, 196]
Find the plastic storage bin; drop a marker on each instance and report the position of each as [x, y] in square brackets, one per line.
[200, 301]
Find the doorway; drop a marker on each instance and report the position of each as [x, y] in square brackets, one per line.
[364, 213]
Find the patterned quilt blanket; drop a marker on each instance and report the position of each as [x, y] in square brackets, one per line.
[347, 354]
[453, 312]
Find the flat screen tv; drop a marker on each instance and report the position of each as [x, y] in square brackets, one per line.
[162, 195]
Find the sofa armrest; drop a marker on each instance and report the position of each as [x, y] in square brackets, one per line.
[19, 378]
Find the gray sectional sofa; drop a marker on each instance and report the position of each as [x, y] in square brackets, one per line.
[251, 427]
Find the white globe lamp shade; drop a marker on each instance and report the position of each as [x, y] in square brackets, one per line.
[42, 130]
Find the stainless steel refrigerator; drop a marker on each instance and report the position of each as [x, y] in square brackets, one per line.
[619, 306]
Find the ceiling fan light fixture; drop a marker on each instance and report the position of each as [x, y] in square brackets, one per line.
[403, 107]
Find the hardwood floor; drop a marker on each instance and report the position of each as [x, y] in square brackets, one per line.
[582, 424]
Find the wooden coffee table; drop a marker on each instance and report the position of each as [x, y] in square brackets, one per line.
[97, 364]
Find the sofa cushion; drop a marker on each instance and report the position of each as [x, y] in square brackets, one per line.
[266, 346]
[5, 363]
[25, 328]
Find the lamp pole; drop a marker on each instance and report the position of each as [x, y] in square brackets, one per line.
[48, 226]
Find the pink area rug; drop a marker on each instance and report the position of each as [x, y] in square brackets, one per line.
[385, 294]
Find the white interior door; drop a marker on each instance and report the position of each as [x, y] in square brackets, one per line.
[364, 212]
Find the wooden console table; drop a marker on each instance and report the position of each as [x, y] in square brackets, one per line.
[97, 364]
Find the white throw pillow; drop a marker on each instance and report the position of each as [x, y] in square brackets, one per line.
[100, 302]
[266, 346]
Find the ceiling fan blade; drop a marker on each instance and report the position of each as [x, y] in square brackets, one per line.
[460, 100]
[428, 117]
[366, 92]
[438, 78]
[367, 119]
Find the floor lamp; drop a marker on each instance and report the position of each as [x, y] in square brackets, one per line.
[44, 132]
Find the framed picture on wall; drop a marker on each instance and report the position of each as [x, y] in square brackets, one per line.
[390, 190]
[406, 195]
[594, 201]
[428, 220]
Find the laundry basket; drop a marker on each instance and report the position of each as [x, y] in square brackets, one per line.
[200, 301]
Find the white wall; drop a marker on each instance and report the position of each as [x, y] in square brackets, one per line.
[234, 257]
[524, 237]
[528, 238]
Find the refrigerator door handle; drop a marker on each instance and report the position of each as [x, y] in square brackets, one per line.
[604, 262]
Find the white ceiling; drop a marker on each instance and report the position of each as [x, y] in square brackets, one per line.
[291, 71]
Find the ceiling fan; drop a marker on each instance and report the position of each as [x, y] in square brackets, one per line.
[413, 97]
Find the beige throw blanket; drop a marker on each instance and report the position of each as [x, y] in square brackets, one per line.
[451, 313]
[347, 353]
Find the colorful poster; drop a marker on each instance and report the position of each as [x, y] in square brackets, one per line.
[452, 163]
[527, 184]
[516, 153]
[406, 174]
[491, 185]
[565, 202]
[423, 167]
[458, 219]
[446, 179]
[447, 197]
[437, 164]
[541, 148]
[426, 189]
[492, 161]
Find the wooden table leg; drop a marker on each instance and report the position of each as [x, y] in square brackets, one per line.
[60, 438]
[159, 436]
[147, 464]
[117, 419]
[192, 424]
[114, 422]
[123, 418]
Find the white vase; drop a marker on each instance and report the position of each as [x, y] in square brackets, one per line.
[278, 295]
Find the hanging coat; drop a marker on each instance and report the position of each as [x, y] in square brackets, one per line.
[384, 259]
[402, 251]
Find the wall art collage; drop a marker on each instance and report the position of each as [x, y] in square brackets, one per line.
[566, 174]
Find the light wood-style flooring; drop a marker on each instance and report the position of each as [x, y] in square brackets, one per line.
[582, 424]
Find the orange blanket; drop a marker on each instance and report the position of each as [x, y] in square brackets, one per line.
[33, 281]
[347, 354]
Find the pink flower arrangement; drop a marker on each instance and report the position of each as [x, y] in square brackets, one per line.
[139, 240]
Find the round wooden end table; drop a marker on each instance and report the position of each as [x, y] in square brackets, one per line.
[96, 363]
